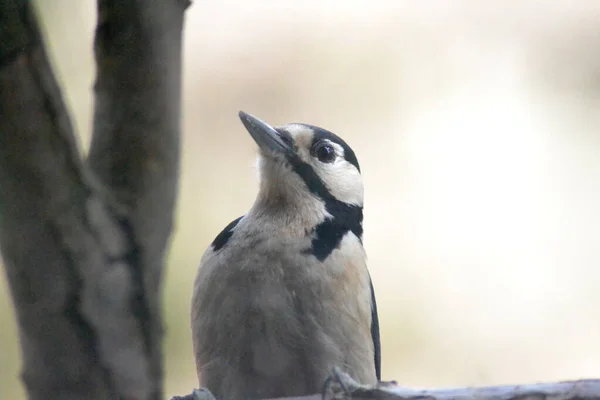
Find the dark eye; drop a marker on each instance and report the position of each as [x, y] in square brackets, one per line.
[324, 152]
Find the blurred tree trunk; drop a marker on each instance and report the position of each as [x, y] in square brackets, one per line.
[84, 241]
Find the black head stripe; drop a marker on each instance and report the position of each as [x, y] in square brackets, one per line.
[310, 178]
[320, 134]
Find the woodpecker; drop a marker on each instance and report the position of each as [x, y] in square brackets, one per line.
[283, 294]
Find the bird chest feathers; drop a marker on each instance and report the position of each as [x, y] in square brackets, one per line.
[283, 294]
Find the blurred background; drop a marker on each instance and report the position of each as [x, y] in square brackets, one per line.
[477, 126]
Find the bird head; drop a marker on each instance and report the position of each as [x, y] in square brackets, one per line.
[300, 164]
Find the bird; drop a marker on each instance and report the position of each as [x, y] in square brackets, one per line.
[283, 294]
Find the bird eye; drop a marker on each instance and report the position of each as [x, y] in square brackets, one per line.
[324, 153]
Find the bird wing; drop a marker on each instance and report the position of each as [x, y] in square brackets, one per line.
[375, 332]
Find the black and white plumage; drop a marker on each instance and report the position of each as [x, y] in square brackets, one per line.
[283, 293]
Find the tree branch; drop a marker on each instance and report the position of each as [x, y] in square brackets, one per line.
[340, 386]
[42, 187]
[343, 386]
[135, 143]
[83, 245]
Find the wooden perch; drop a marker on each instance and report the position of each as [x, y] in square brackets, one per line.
[341, 386]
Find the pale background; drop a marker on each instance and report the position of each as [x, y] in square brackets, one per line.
[477, 125]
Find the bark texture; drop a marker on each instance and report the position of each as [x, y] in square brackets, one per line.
[84, 241]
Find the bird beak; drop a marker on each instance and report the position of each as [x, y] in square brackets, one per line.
[267, 137]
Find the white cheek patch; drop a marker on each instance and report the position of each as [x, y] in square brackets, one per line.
[341, 178]
[343, 181]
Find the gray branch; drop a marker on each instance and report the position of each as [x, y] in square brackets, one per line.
[135, 144]
[341, 386]
[84, 243]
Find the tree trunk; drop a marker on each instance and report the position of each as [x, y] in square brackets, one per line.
[84, 241]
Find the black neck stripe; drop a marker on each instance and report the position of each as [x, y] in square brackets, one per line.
[310, 178]
[345, 217]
